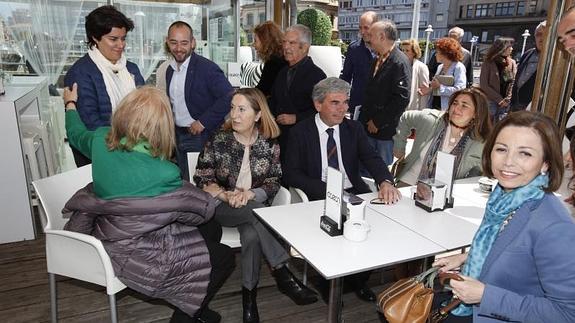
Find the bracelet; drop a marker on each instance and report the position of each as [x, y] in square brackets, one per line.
[69, 101]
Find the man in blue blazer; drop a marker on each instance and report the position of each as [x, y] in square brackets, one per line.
[358, 61]
[329, 139]
[199, 92]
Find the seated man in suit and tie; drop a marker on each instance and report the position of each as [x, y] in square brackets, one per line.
[329, 139]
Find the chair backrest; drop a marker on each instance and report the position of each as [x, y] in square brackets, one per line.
[297, 195]
[192, 163]
[55, 191]
[283, 197]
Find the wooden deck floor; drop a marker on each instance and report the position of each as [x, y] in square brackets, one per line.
[24, 296]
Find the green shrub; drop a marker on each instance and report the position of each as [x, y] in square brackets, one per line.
[343, 46]
[319, 24]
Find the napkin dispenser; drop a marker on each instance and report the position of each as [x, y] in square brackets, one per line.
[432, 195]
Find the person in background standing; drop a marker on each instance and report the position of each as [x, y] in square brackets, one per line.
[387, 91]
[291, 100]
[103, 75]
[268, 39]
[497, 76]
[199, 91]
[358, 61]
[522, 90]
[457, 34]
[450, 76]
[419, 77]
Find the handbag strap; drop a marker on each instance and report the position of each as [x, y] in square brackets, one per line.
[441, 313]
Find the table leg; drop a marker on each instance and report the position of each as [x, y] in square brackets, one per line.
[334, 305]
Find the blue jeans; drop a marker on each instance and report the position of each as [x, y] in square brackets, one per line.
[185, 143]
[384, 148]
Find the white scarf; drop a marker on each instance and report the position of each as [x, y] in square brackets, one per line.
[118, 80]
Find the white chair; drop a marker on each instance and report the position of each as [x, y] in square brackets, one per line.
[297, 195]
[231, 236]
[72, 254]
[192, 163]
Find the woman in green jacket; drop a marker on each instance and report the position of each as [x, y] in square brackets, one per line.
[460, 131]
[153, 226]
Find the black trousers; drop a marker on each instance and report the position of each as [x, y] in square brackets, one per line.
[222, 258]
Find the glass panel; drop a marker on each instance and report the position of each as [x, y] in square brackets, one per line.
[28, 26]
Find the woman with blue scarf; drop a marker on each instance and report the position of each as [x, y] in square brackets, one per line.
[521, 265]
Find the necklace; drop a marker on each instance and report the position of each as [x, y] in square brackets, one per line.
[453, 138]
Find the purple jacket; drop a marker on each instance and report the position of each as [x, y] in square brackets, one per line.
[153, 242]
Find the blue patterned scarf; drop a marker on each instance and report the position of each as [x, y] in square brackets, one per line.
[499, 206]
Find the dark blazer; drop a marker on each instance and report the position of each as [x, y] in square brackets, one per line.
[302, 168]
[356, 68]
[270, 73]
[387, 95]
[529, 273]
[297, 99]
[208, 91]
[522, 94]
[94, 104]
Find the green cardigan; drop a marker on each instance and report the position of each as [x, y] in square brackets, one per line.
[120, 173]
[428, 123]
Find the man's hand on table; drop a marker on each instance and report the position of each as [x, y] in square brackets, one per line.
[388, 193]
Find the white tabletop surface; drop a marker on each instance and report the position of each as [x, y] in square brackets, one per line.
[444, 228]
[387, 243]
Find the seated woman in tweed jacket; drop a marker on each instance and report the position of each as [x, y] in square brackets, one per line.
[241, 166]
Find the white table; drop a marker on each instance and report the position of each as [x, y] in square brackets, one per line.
[446, 228]
[388, 243]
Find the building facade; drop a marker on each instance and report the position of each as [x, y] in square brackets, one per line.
[490, 19]
[401, 12]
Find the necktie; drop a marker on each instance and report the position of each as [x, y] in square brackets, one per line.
[331, 150]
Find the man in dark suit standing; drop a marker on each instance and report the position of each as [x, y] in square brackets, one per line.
[199, 92]
[387, 91]
[329, 139]
[291, 101]
[522, 91]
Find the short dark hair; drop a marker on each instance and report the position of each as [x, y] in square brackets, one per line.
[547, 130]
[101, 21]
[179, 24]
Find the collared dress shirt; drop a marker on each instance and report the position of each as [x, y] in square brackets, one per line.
[182, 116]
[321, 129]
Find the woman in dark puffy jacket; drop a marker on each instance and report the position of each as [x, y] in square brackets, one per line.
[145, 216]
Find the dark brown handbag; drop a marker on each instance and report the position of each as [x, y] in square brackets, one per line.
[410, 299]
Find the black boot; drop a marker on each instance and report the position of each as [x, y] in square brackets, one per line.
[250, 305]
[293, 288]
[180, 316]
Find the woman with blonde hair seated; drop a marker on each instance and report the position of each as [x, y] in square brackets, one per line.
[145, 216]
[240, 165]
[460, 131]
